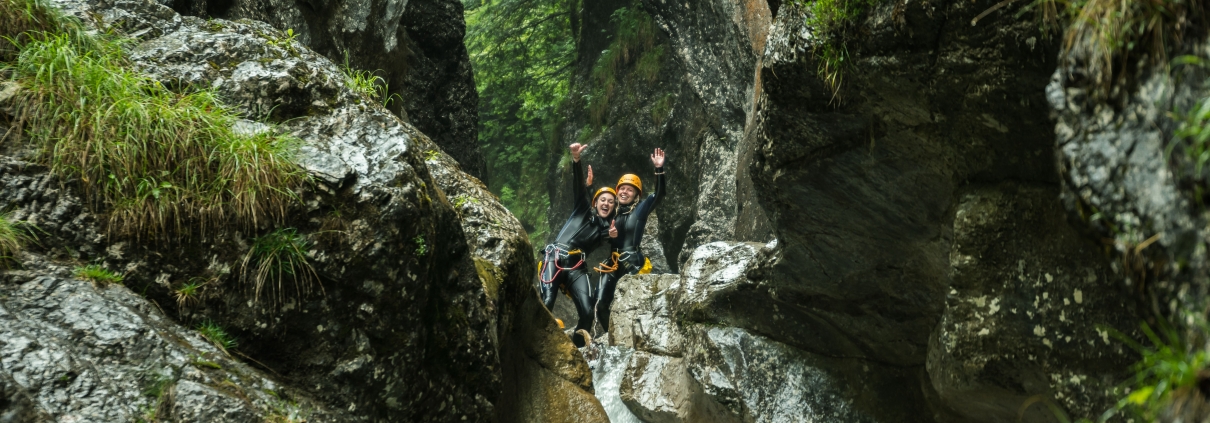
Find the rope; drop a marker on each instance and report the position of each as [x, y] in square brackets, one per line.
[558, 251]
[604, 267]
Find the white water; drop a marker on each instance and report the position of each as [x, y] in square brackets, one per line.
[607, 378]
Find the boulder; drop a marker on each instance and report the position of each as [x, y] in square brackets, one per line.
[415, 46]
[74, 351]
[687, 368]
[1028, 313]
[425, 310]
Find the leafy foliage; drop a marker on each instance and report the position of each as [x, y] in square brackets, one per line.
[522, 52]
[634, 42]
[98, 274]
[159, 160]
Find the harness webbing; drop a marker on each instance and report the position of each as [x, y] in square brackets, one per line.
[558, 252]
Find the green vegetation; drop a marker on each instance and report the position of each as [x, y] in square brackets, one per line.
[523, 53]
[1113, 34]
[157, 386]
[97, 274]
[662, 109]
[284, 410]
[12, 238]
[367, 84]
[216, 335]
[831, 21]
[463, 200]
[162, 162]
[634, 42]
[276, 258]
[188, 293]
[421, 248]
[1167, 367]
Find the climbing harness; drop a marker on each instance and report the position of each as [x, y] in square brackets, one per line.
[559, 252]
[606, 267]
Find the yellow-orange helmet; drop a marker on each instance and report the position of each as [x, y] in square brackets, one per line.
[631, 179]
[604, 190]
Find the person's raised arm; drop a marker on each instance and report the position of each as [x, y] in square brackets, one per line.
[657, 159]
[579, 190]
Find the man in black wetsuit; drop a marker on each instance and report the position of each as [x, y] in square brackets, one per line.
[563, 261]
[631, 220]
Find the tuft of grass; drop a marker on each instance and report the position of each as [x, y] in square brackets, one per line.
[368, 84]
[97, 274]
[1109, 34]
[188, 293]
[162, 162]
[216, 335]
[12, 238]
[19, 19]
[278, 259]
[831, 21]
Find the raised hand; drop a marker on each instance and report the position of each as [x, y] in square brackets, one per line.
[589, 183]
[576, 149]
[657, 158]
[613, 229]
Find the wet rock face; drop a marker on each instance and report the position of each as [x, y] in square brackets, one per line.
[697, 109]
[1125, 175]
[73, 351]
[910, 203]
[862, 191]
[416, 46]
[1027, 312]
[418, 264]
[689, 368]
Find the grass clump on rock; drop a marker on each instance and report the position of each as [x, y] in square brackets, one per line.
[216, 335]
[98, 275]
[12, 238]
[162, 162]
[277, 258]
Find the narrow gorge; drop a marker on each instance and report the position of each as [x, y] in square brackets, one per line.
[876, 211]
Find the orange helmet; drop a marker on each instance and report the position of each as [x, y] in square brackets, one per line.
[631, 179]
[604, 190]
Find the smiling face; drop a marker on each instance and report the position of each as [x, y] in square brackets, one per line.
[605, 204]
[627, 193]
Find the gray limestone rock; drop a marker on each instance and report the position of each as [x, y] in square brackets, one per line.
[414, 45]
[1029, 311]
[422, 271]
[687, 368]
[73, 351]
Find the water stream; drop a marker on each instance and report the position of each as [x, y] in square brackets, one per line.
[607, 372]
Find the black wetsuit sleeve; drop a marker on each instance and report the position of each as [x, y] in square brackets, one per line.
[654, 199]
[579, 191]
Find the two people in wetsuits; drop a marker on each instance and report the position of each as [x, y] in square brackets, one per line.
[592, 221]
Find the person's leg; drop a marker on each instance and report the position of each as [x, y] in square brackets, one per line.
[581, 294]
[550, 291]
[605, 297]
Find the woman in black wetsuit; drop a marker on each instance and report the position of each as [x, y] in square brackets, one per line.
[629, 225]
[563, 261]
